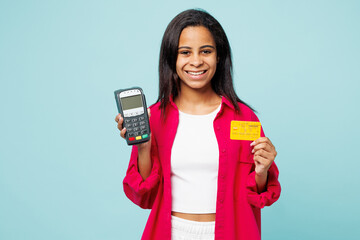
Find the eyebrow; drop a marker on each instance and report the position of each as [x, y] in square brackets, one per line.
[205, 46]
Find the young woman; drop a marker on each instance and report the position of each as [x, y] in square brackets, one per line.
[199, 183]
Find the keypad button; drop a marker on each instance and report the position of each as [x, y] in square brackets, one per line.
[143, 132]
[135, 129]
[142, 127]
[128, 125]
[134, 120]
[138, 138]
[135, 124]
[142, 123]
[127, 120]
[131, 139]
[145, 136]
[141, 118]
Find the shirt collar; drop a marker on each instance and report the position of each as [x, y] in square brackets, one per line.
[226, 101]
[171, 99]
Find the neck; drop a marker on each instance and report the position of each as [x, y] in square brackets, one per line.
[197, 101]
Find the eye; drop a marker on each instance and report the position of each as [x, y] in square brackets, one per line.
[184, 52]
[207, 51]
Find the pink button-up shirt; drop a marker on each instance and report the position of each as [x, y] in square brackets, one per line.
[238, 203]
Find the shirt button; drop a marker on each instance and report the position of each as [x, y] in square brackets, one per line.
[218, 128]
[222, 176]
[224, 150]
[221, 200]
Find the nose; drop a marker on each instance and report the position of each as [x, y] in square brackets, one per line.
[196, 60]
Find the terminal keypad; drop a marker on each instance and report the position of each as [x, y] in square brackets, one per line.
[135, 128]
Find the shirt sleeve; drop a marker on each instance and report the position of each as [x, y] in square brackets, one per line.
[272, 191]
[139, 191]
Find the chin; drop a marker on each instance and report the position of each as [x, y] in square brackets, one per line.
[198, 86]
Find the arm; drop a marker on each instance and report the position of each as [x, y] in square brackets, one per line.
[142, 177]
[261, 182]
[271, 192]
[144, 149]
[263, 185]
[144, 159]
[264, 155]
[139, 189]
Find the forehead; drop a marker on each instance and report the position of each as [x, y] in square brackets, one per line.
[195, 35]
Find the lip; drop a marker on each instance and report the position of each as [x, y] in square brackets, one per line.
[197, 76]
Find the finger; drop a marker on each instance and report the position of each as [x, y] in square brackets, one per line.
[266, 146]
[262, 161]
[257, 162]
[261, 140]
[265, 140]
[120, 123]
[122, 132]
[117, 117]
[149, 113]
[262, 153]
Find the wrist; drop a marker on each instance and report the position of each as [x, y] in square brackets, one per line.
[261, 175]
[261, 180]
[144, 147]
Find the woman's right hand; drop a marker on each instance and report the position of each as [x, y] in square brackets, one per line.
[142, 146]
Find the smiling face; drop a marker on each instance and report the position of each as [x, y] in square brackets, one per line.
[197, 58]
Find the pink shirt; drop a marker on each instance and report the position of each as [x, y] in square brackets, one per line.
[238, 203]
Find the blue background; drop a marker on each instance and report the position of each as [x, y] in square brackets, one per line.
[61, 158]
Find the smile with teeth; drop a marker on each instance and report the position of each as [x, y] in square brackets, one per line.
[195, 73]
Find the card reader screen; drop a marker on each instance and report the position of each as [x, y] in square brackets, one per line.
[131, 102]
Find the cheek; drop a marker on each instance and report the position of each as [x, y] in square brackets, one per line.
[215, 62]
[180, 73]
[214, 66]
[178, 68]
[212, 62]
[180, 63]
[177, 64]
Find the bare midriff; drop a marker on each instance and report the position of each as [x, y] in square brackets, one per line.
[206, 217]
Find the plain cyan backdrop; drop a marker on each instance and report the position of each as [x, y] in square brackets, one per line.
[62, 160]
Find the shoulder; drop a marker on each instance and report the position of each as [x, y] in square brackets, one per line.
[157, 119]
[155, 107]
[155, 111]
[247, 112]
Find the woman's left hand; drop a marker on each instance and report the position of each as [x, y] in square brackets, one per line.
[264, 154]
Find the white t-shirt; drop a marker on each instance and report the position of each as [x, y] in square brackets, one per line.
[195, 164]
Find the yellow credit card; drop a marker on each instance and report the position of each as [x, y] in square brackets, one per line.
[244, 130]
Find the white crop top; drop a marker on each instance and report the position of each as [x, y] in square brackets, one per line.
[195, 164]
